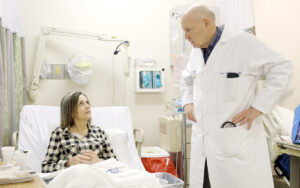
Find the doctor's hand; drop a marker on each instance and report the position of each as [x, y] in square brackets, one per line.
[245, 116]
[93, 156]
[189, 111]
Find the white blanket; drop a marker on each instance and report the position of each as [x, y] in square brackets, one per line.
[107, 174]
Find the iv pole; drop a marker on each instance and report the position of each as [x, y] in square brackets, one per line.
[45, 31]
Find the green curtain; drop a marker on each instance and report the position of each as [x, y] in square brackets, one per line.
[18, 73]
[6, 97]
[2, 89]
[8, 86]
[11, 84]
[18, 78]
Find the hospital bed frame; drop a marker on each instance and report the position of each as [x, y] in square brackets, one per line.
[294, 153]
[279, 123]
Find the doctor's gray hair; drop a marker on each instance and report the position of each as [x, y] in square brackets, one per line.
[68, 109]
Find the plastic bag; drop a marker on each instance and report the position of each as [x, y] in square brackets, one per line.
[45, 70]
[282, 166]
[296, 126]
[80, 69]
[159, 164]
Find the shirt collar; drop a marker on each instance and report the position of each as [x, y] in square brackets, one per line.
[67, 132]
[216, 37]
[226, 34]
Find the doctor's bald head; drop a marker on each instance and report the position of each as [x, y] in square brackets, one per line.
[199, 12]
[198, 23]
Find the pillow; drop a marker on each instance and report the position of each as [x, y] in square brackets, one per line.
[51, 127]
[119, 142]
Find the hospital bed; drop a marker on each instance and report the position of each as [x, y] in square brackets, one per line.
[278, 123]
[37, 122]
[278, 127]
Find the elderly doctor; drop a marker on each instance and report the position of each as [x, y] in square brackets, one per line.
[219, 84]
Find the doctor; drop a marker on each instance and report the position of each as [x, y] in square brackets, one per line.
[219, 85]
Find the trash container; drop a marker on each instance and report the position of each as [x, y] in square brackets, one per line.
[168, 180]
[156, 159]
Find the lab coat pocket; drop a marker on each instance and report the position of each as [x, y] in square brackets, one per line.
[230, 88]
[229, 142]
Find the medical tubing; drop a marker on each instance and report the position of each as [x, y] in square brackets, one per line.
[115, 53]
[113, 80]
[124, 91]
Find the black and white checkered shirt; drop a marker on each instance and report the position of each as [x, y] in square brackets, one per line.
[63, 145]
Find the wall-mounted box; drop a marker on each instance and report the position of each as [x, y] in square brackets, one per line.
[150, 79]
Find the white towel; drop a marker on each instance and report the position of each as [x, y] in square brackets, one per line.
[14, 172]
[107, 174]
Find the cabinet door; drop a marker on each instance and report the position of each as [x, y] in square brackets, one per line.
[188, 171]
[188, 151]
[188, 134]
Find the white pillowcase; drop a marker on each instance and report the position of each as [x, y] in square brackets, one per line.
[119, 142]
[51, 127]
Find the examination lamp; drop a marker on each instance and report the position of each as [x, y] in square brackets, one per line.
[117, 51]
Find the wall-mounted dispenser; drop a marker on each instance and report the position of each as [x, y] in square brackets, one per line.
[150, 79]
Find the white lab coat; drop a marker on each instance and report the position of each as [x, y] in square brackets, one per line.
[236, 157]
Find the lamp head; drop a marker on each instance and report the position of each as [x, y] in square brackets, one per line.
[122, 43]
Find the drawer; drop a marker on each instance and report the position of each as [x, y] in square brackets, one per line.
[188, 134]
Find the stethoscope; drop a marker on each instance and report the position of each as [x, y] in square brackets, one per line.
[228, 124]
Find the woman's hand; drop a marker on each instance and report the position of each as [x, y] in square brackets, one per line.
[79, 159]
[93, 156]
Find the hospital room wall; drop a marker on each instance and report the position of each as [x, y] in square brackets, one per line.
[144, 23]
[278, 25]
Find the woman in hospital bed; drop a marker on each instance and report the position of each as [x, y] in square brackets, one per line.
[76, 141]
[82, 155]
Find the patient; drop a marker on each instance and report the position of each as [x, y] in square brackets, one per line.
[76, 140]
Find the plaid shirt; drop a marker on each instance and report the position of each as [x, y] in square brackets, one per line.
[63, 145]
[207, 51]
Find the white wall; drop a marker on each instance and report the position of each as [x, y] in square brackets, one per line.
[9, 11]
[278, 25]
[145, 23]
[1, 8]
